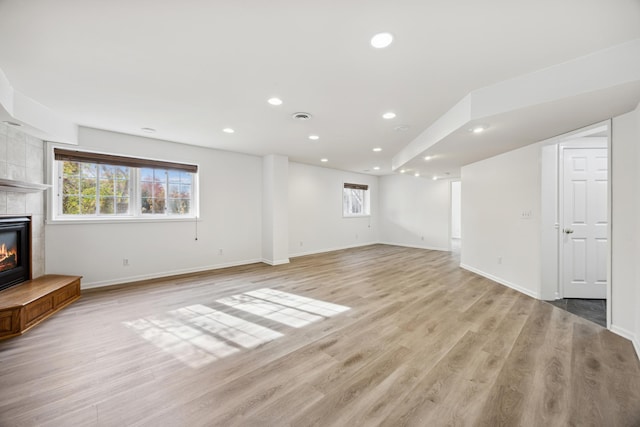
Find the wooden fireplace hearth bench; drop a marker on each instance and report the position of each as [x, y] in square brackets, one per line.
[25, 305]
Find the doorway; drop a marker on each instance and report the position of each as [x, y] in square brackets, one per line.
[575, 221]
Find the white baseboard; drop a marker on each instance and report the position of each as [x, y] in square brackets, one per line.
[501, 281]
[131, 279]
[276, 262]
[430, 248]
[624, 333]
[339, 248]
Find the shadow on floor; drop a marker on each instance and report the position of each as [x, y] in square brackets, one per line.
[594, 310]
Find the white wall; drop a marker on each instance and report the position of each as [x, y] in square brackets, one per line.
[625, 272]
[275, 209]
[498, 243]
[636, 337]
[316, 223]
[230, 220]
[415, 212]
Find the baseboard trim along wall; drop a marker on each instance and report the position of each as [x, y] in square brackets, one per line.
[624, 333]
[165, 274]
[430, 248]
[339, 248]
[276, 262]
[501, 281]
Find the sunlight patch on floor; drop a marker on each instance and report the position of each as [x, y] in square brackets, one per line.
[198, 335]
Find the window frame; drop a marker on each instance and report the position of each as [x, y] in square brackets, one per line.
[366, 203]
[54, 171]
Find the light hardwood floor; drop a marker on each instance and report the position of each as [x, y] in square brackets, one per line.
[422, 343]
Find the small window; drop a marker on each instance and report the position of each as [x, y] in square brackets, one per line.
[355, 200]
[99, 185]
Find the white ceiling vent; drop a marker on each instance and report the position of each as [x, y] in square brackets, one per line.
[301, 116]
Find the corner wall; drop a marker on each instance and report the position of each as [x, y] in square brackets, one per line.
[316, 223]
[415, 212]
[625, 226]
[499, 241]
[228, 229]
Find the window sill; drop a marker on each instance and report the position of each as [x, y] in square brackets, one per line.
[127, 220]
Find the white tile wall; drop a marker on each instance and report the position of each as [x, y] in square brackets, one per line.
[22, 159]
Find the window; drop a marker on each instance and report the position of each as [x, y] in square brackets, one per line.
[99, 185]
[355, 200]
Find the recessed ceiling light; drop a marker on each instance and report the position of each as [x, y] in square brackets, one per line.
[416, 174]
[376, 168]
[435, 178]
[401, 128]
[389, 115]
[228, 130]
[148, 130]
[275, 101]
[427, 158]
[402, 171]
[479, 128]
[324, 160]
[381, 40]
[10, 123]
[314, 137]
[377, 149]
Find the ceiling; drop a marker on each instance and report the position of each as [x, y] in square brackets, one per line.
[190, 69]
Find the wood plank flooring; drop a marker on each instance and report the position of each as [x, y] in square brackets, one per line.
[379, 335]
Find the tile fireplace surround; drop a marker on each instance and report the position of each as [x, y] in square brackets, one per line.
[22, 159]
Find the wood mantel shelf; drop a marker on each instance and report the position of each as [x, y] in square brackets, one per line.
[25, 305]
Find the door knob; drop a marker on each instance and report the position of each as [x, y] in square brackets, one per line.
[568, 231]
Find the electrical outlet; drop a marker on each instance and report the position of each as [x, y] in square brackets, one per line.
[499, 260]
[422, 238]
[526, 214]
[356, 236]
[220, 251]
[301, 243]
[125, 262]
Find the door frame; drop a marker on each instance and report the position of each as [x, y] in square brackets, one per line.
[551, 163]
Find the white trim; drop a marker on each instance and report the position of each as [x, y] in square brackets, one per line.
[624, 333]
[430, 248]
[339, 248]
[165, 274]
[276, 262]
[501, 281]
[121, 220]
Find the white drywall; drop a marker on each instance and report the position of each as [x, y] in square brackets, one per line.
[636, 337]
[230, 220]
[625, 273]
[275, 209]
[316, 223]
[415, 212]
[499, 242]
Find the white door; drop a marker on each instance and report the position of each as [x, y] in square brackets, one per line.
[584, 226]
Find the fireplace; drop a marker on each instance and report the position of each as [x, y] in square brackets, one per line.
[15, 250]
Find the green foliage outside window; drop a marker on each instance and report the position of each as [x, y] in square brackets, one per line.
[90, 189]
[97, 189]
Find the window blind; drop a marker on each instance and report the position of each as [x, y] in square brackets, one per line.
[356, 186]
[109, 159]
